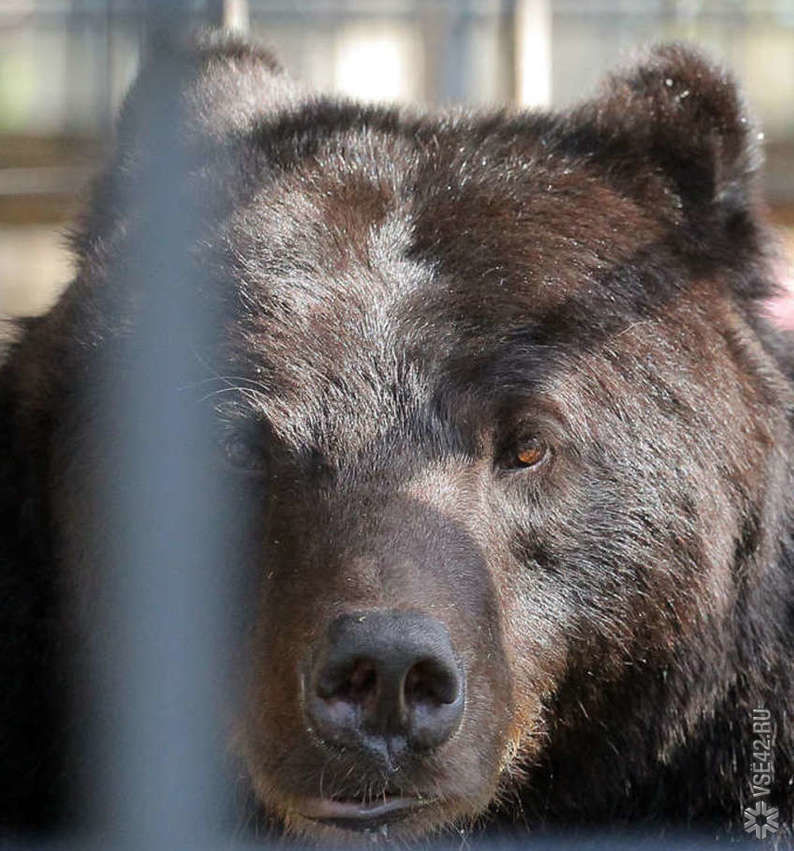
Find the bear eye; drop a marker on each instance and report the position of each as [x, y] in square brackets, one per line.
[244, 452]
[530, 455]
[525, 454]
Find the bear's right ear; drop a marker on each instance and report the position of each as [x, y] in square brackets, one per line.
[676, 116]
[180, 130]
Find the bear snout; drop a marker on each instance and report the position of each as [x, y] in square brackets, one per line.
[386, 683]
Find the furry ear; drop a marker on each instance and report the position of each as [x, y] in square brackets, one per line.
[676, 114]
[179, 132]
[205, 87]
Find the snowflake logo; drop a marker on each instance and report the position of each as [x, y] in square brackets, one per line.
[761, 820]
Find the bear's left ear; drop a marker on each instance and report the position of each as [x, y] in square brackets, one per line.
[676, 116]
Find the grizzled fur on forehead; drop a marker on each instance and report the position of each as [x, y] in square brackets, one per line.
[406, 228]
[362, 285]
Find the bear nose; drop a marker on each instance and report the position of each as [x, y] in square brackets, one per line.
[386, 682]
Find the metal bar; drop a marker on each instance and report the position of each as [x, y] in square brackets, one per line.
[164, 594]
[533, 31]
[229, 14]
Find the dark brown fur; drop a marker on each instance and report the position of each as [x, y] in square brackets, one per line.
[406, 297]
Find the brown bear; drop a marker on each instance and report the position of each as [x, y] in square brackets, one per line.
[505, 434]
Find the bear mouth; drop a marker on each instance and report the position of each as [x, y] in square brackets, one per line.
[359, 815]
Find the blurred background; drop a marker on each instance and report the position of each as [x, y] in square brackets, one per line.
[65, 65]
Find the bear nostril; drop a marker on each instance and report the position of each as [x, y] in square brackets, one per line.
[430, 682]
[353, 682]
[363, 681]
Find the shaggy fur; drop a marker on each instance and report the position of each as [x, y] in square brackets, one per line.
[409, 301]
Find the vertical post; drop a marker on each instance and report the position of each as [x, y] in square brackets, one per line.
[457, 36]
[159, 631]
[533, 33]
[106, 106]
[230, 14]
[75, 66]
[164, 21]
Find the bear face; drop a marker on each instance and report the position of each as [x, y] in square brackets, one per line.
[506, 440]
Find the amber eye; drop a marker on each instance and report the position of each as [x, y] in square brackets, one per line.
[526, 454]
[529, 455]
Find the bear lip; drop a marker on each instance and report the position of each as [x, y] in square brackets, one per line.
[357, 815]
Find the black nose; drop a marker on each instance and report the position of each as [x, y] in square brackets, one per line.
[386, 681]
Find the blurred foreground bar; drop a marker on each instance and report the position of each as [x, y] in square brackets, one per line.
[161, 615]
